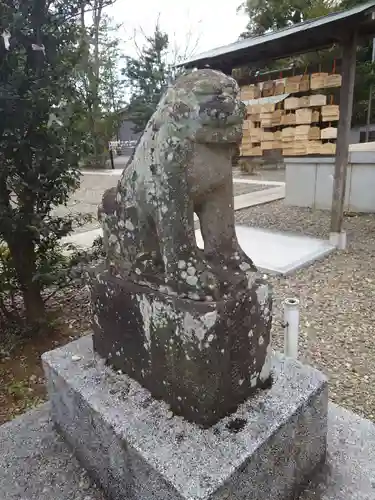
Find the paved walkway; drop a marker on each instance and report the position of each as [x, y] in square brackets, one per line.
[93, 184]
[259, 197]
[114, 173]
[237, 180]
[253, 181]
[85, 239]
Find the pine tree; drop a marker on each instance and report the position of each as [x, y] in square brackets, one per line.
[147, 77]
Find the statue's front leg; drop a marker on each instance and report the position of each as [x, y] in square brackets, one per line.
[186, 269]
[216, 214]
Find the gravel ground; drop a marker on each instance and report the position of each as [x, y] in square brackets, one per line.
[337, 298]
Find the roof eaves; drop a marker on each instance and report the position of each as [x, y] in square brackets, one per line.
[260, 39]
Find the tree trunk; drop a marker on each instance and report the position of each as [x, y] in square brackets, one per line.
[23, 254]
[34, 305]
[96, 115]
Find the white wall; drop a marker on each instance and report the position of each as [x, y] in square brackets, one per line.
[309, 182]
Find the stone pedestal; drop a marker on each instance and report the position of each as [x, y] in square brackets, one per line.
[202, 358]
[135, 448]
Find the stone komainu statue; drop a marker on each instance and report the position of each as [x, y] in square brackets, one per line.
[181, 165]
[192, 326]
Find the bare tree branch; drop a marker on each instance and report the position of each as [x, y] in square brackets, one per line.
[177, 52]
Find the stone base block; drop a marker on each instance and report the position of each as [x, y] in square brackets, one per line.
[202, 358]
[135, 448]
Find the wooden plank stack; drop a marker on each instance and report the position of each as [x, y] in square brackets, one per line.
[298, 125]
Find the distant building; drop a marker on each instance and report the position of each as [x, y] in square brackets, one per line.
[358, 134]
[125, 132]
[126, 137]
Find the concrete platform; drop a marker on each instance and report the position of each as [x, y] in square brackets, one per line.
[36, 464]
[135, 448]
[259, 197]
[278, 253]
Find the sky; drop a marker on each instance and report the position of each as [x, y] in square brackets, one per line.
[206, 23]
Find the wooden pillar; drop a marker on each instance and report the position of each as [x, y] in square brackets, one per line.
[111, 158]
[349, 56]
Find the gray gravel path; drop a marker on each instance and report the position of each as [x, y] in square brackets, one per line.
[337, 301]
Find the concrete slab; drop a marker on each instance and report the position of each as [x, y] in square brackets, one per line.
[36, 464]
[278, 253]
[136, 448]
[83, 240]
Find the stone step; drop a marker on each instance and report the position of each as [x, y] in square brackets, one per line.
[36, 464]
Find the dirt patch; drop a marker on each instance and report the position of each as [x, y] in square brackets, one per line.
[22, 384]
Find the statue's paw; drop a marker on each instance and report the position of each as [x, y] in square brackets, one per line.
[210, 285]
[240, 261]
[197, 280]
